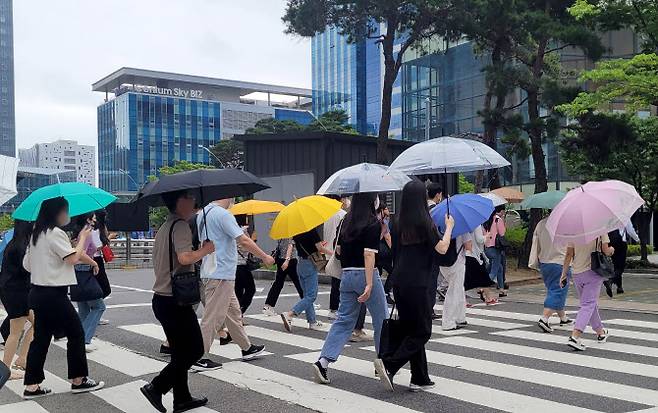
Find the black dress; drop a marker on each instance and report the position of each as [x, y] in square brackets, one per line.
[14, 285]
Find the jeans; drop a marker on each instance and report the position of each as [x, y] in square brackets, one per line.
[556, 296]
[352, 285]
[90, 313]
[245, 287]
[496, 272]
[334, 302]
[588, 284]
[308, 278]
[280, 278]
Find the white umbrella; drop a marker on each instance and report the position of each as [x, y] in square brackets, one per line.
[448, 155]
[364, 177]
[496, 199]
[8, 171]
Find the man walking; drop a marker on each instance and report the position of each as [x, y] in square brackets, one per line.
[221, 306]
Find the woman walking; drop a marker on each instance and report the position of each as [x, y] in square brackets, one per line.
[50, 259]
[477, 275]
[102, 236]
[286, 266]
[14, 291]
[245, 286]
[494, 228]
[588, 283]
[416, 245]
[358, 242]
[548, 258]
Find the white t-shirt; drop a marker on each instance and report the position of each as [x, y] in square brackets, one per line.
[96, 240]
[45, 261]
[582, 260]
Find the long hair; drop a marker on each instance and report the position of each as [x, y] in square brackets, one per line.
[21, 239]
[361, 215]
[414, 224]
[488, 223]
[47, 218]
[79, 223]
[101, 225]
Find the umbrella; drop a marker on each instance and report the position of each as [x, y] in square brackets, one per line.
[496, 199]
[364, 177]
[447, 155]
[468, 210]
[255, 207]
[592, 210]
[543, 200]
[511, 194]
[303, 215]
[82, 198]
[8, 170]
[206, 185]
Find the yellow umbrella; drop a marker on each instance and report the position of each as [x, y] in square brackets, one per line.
[510, 194]
[255, 207]
[303, 215]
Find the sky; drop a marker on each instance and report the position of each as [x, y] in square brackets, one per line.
[61, 47]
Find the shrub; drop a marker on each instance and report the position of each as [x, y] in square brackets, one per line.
[634, 250]
[515, 236]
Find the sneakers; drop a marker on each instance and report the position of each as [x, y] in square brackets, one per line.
[225, 340]
[39, 392]
[384, 376]
[463, 324]
[206, 365]
[436, 316]
[317, 325]
[165, 350]
[421, 387]
[441, 294]
[620, 290]
[317, 306]
[86, 386]
[608, 287]
[332, 315]
[576, 344]
[603, 337]
[546, 328]
[154, 397]
[287, 322]
[103, 322]
[360, 336]
[90, 347]
[320, 374]
[268, 311]
[566, 322]
[252, 353]
[193, 403]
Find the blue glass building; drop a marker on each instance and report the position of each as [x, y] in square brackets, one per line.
[7, 116]
[158, 118]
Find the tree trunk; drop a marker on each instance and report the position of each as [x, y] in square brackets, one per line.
[390, 73]
[493, 122]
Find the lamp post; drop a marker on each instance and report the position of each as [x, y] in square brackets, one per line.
[129, 177]
[213, 155]
[318, 119]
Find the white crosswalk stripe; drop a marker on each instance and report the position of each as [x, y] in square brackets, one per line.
[23, 407]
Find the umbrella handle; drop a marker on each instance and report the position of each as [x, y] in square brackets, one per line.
[205, 218]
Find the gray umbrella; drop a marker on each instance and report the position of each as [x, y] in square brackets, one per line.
[364, 177]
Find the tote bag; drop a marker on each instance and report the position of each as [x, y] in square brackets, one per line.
[333, 267]
[391, 336]
[87, 287]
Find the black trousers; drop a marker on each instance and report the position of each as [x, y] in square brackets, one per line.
[54, 312]
[334, 301]
[414, 306]
[279, 280]
[181, 327]
[388, 266]
[619, 261]
[245, 287]
[4, 329]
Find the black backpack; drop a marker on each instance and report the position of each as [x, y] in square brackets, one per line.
[450, 257]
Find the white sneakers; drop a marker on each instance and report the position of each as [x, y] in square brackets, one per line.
[316, 326]
[269, 311]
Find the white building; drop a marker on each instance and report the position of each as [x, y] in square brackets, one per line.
[65, 155]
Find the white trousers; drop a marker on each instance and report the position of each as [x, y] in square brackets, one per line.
[454, 307]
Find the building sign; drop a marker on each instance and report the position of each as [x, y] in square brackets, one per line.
[164, 91]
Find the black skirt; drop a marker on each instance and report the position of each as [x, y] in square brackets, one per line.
[15, 302]
[476, 276]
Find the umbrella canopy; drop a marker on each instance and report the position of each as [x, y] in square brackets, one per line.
[206, 185]
[255, 207]
[543, 200]
[303, 215]
[8, 171]
[496, 199]
[447, 155]
[468, 210]
[82, 198]
[510, 194]
[592, 210]
[364, 177]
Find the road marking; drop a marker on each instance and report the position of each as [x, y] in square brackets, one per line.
[635, 335]
[23, 407]
[120, 359]
[139, 290]
[259, 297]
[54, 383]
[300, 392]
[504, 314]
[632, 323]
[111, 306]
[309, 343]
[609, 346]
[296, 323]
[565, 356]
[471, 393]
[128, 398]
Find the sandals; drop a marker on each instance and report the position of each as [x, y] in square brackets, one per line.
[481, 294]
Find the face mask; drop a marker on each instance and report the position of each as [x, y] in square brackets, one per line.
[376, 203]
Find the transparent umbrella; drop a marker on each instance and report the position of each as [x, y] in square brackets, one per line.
[364, 177]
[8, 171]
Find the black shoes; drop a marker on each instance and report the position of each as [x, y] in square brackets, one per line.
[413, 387]
[546, 328]
[252, 353]
[608, 287]
[193, 403]
[165, 350]
[206, 365]
[86, 386]
[436, 316]
[463, 324]
[620, 290]
[153, 396]
[39, 392]
[320, 374]
[566, 322]
[225, 340]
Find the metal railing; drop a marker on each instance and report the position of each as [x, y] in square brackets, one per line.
[132, 253]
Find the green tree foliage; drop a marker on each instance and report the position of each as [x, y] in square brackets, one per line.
[464, 186]
[230, 152]
[332, 121]
[271, 125]
[6, 222]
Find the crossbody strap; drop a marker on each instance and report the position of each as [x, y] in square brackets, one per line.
[171, 246]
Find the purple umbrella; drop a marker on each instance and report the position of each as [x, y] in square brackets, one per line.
[592, 210]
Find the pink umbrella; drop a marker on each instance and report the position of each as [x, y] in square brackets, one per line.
[592, 210]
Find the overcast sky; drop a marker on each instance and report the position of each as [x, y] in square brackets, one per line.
[61, 47]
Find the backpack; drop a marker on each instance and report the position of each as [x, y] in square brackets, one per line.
[450, 257]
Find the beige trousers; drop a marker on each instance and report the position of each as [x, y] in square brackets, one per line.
[221, 307]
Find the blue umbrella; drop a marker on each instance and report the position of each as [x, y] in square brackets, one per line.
[468, 210]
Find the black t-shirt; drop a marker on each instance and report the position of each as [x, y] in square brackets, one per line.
[415, 265]
[351, 252]
[305, 242]
[13, 276]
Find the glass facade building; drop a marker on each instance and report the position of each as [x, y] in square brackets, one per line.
[7, 116]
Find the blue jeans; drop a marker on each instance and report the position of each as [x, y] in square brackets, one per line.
[90, 313]
[352, 285]
[308, 279]
[556, 296]
[496, 272]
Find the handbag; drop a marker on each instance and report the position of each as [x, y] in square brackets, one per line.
[391, 336]
[108, 254]
[185, 284]
[601, 263]
[502, 242]
[334, 268]
[251, 262]
[87, 287]
[318, 259]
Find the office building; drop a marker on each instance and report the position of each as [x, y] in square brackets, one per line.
[150, 119]
[7, 116]
[63, 155]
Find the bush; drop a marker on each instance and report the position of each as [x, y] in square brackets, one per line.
[634, 250]
[515, 236]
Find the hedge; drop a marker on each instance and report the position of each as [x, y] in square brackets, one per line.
[634, 250]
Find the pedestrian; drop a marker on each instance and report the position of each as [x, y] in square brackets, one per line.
[358, 243]
[434, 197]
[221, 305]
[245, 286]
[101, 236]
[548, 258]
[476, 275]
[416, 246]
[588, 284]
[494, 230]
[619, 241]
[50, 259]
[329, 230]
[384, 261]
[286, 266]
[14, 292]
[173, 254]
[307, 244]
[452, 265]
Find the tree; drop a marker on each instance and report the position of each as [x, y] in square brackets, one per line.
[230, 152]
[332, 121]
[6, 222]
[407, 23]
[271, 125]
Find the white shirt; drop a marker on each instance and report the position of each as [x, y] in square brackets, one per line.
[478, 244]
[45, 261]
[96, 239]
[331, 227]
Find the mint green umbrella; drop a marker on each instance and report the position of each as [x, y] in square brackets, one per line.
[543, 200]
[82, 198]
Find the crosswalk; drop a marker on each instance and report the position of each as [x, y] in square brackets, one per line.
[500, 362]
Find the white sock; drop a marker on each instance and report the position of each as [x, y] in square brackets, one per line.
[544, 319]
[324, 362]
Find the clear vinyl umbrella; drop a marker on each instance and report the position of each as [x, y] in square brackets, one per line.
[8, 171]
[448, 155]
[364, 177]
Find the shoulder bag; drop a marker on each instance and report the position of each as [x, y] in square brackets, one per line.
[318, 259]
[87, 287]
[333, 267]
[108, 254]
[185, 284]
[601, 263]
[392, 335]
